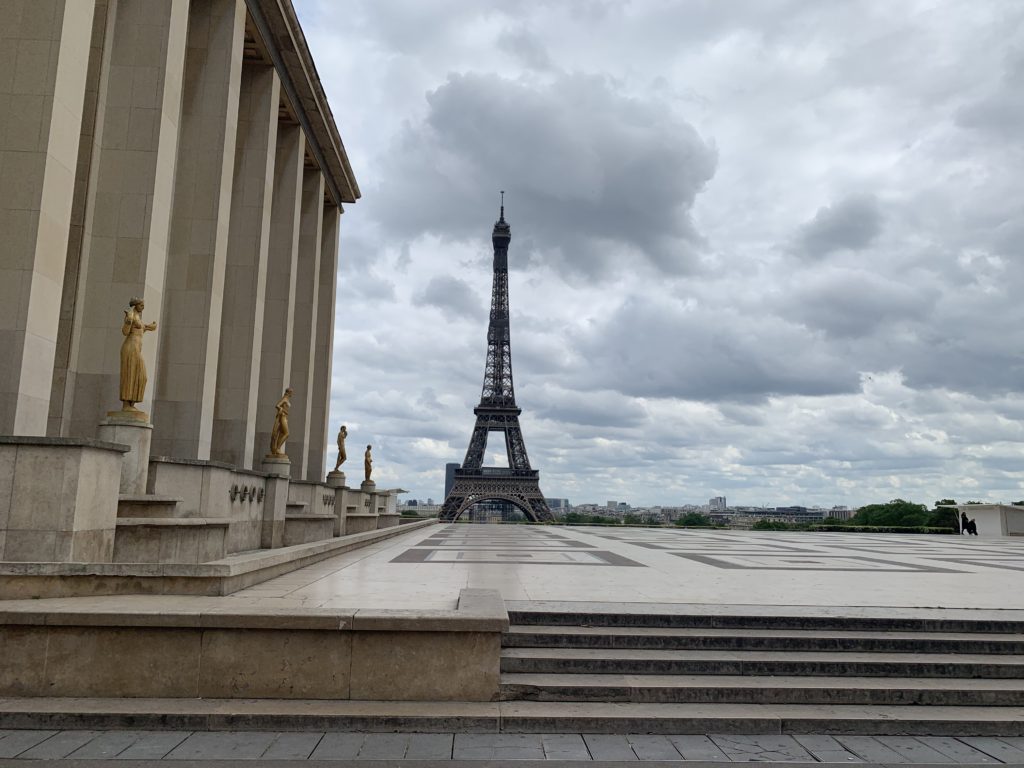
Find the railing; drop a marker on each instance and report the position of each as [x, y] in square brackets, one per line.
[496, 472]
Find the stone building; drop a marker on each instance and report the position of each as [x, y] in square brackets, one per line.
[182, 152]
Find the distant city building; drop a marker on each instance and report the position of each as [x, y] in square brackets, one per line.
[798, 514]
[716, 504]
[449, 477]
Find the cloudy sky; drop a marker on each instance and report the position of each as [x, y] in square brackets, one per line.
[766, 249]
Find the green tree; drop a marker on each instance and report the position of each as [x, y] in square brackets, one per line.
[897, 512]
[694, 519]
[943, 515]
[770, 525]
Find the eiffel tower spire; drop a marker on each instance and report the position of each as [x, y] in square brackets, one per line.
[519, 483]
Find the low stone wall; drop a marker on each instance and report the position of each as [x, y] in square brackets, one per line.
[213, 490]
[58, 498]
[221, 651]
[220, 577]
[170, 540]
[302, 529]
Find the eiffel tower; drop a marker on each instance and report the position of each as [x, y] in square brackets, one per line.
[517, 484]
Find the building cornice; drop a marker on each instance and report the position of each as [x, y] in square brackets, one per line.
[286, 44]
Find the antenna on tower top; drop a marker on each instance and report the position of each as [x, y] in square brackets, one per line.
[502, 217]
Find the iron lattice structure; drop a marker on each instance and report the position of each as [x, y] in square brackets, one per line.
[518, 484]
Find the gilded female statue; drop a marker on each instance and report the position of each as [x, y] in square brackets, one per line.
[133, 367]
[279, 434]
[368, 463]
[342, 434]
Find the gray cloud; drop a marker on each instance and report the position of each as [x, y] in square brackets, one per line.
[527, 47]
[451, 295]
[654, 348]
[853, 223]
[600, 181]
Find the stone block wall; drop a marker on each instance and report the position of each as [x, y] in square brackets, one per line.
[58, 499]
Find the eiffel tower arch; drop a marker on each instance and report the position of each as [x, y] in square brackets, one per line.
[517, 484]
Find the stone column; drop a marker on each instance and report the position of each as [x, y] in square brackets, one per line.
[124, 245]
[282, 261]
[245, 282]
[184, 396]
[63, 386]
[323, 355]
[307, 290]
[44, 56]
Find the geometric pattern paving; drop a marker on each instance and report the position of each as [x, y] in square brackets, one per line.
[491, 544]
[430, 748]
[506, 545]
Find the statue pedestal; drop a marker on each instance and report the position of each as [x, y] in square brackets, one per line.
[335, 479]
[133, 429]
[368, 486]
[277, 465]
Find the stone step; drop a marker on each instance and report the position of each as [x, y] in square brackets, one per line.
[731, 689]
[598, 717]
[761, 639]
[506, 716]
[791, 663]
[147, 505]
[739, 620]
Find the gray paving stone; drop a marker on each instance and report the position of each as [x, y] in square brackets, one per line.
[383, 746]
[14, 742]
[653, 747]
[223, 745]
[957, 750]
[61, 744]
[564, 746]
[292, 746]
[106, 745]
[153, 745]
[913, 750]
[609, 747]
[871, 749]
[827, 749]
[338, 746]
[429, 746]
[1001, 749]
[773, 748]
[497, 746]
[697, 748]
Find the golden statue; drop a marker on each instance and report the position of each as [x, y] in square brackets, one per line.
[342, 434]
[133, 367]
[368, 463]
[279, 434]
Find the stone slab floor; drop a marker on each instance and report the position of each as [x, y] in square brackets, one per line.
[411, 749]
[428, 567]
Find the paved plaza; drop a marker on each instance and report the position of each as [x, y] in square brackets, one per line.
[427, 568]
[494, 749]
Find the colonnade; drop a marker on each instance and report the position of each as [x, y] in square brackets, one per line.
[183, 153]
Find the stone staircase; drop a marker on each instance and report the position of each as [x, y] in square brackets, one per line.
[686, 673]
